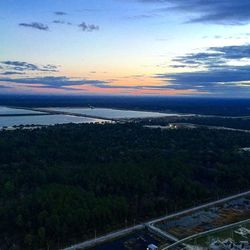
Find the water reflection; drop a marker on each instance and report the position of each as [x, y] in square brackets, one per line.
[45, 120]
[14, 111]
[111, 113]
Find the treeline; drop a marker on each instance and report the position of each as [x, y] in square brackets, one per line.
[61, 184]
[236, 123]
[209, 106]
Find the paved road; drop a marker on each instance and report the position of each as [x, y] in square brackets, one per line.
[122, 232]
[201, 207]
[161, 233]
[105, 238]
[55, 112]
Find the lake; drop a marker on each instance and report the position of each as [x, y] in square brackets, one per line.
[112, 113]
[14, 111]
[23, 117]
[45, 120]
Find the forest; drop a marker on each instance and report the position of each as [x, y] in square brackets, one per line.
[202, 105]
[228, 122]
[62, 184]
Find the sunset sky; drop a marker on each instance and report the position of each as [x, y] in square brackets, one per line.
[125, 47]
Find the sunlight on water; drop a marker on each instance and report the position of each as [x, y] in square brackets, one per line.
[112, 113]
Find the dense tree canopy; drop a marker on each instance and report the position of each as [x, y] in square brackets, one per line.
[61, 184]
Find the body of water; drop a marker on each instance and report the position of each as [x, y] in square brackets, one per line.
[14, 111]
[112, 113]
[22, 116]
[11, 121]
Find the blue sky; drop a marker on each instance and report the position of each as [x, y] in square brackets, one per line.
[136, 47]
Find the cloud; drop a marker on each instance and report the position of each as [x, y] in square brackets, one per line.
[60, 13]
[215, 71]
[88, 27]
[11, 73]
[5, 87]
[49, 67]
[208, 78]
[24, 66]
[84, 26]
[61, 22]
[233, 52]
[35, 25]
[142, 16]
[214, 57]
[66, 83]
[52, 81]
[226, 12]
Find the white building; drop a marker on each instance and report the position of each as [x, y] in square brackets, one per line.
[152, 247]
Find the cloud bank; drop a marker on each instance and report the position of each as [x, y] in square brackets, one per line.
[57, 82]
[35, 25]
[218, 70]
[226, 12]
[20, 67]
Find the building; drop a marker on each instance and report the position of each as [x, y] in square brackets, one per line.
[152, 247]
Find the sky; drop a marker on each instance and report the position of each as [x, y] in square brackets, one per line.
[125, 47]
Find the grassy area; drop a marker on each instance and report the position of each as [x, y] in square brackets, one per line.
[222, 235]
